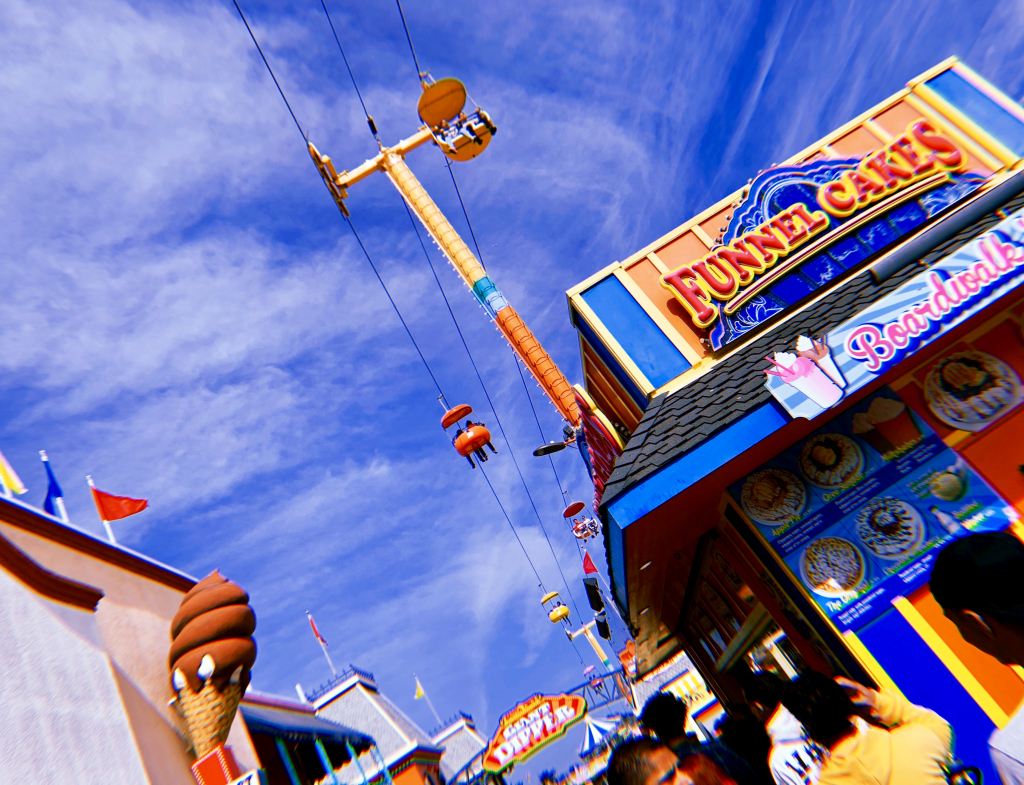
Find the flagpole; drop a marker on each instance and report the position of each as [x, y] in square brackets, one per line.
[323, 646]
[106, 524]
[427, 698]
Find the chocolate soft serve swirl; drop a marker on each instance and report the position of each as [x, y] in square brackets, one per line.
[214, 619]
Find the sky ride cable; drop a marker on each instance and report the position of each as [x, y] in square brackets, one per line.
[271, 70]
[480, 256]
[394, 305]
[415, 60]
[494, 409]
[451, 313]
[348, 219]
[359, 95]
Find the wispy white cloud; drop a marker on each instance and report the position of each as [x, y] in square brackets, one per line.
[186, 317]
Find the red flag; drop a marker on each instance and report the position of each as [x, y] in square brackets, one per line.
[588, 565]
[316, 632]
[114, 508]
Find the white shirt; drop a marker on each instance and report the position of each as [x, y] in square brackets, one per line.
[794, 759]
[1006, 747]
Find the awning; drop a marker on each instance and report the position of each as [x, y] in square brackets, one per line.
[299, 726]
[596, 735]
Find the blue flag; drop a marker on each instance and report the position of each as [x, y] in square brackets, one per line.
[54, 501]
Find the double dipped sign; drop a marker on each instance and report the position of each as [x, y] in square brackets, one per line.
[530, 726]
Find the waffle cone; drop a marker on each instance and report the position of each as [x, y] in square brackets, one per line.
[208, 713]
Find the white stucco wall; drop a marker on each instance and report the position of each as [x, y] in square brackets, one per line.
[61, 715]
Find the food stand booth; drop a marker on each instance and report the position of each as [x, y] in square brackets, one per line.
[816, 383]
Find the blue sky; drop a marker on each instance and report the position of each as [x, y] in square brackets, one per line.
[187, 318]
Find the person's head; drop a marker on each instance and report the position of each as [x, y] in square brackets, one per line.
[762, 691]
[644, 761]
[977, 581]
[664, 715]
[745, 735]
[822, 706]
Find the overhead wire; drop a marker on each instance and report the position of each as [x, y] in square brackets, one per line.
[451, 313]
[352, 76]
[271, 70]
[369, 259]
[480, 258]
[415, 60]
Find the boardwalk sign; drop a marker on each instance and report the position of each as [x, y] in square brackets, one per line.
[819, 373]
[530, 727]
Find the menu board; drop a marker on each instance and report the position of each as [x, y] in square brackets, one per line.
[858, 510]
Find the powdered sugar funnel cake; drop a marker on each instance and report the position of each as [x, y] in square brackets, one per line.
[969, 390]
[773, 496]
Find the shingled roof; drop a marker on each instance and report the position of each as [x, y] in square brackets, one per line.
[677, 422]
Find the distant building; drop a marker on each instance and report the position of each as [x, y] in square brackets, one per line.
[407, 752]
[679, 677]
[295, 746]
[463, 748]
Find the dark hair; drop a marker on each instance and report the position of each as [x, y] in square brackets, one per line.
[822, 706]
[747, 737]
[704, 771]
[764, 688]
[982, 573]
[630, 762]
[665, 716]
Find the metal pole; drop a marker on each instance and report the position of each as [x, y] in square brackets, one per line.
[383, 766]
[328, 656]
[355, 759]
[325, 760]
[286, 759]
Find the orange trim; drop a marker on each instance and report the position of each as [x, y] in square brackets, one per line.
[608, 387]
[47, 583]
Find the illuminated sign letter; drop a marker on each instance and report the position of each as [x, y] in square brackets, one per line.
[688, 289]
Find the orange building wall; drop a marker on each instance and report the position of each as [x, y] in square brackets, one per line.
[418, 774]
[1000, 681]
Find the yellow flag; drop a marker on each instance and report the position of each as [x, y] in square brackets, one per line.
[419, 689]
[9, 477]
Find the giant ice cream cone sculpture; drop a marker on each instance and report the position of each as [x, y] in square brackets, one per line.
[212, 651]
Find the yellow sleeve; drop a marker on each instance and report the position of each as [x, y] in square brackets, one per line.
[892, 710]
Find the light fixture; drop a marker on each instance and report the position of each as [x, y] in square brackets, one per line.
[549, 449]
[646, 566]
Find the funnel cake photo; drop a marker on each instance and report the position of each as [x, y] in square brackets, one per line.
[832, 567]
[773, 496]
[968, 390]
[212, 651]
[829, 460]
[890, 528]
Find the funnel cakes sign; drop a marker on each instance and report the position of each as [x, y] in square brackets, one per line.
[970, 389]
[799, 227]
[530, 726]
